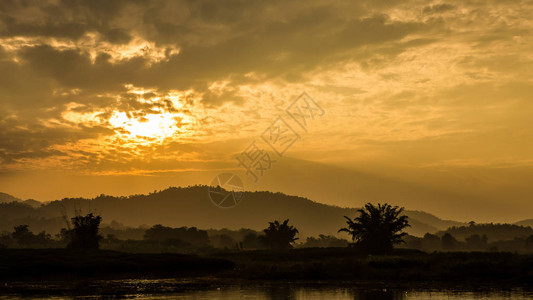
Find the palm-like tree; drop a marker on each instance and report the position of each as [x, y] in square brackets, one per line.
[85, 234]
[279, 235]
[377, 228]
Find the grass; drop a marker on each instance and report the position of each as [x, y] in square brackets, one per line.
[402, 265]
[410, 266]
[66, 263]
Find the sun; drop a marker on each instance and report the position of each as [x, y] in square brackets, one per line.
[151, 126]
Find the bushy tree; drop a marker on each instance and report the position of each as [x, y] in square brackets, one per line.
[85, 234]
[6, 239]
[324, 241]
[279, 236]
[449, 242]
[251, 241]
[529, 242]
[191, 236]
[377, 228]
[476, 242]
[431, 242]
[22, 235]
[223, 241]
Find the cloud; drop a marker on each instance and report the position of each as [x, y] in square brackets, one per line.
[96, 84]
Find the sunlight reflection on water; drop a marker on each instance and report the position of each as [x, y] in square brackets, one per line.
[187, 289]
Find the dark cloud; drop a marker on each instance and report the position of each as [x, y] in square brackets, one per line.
[438, 8]
[20, 139]
[56, 53]
[66, 19]
[216, 40]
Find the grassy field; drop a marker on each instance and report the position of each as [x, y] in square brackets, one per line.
[403, 265]
[64, 263]
[297, 264]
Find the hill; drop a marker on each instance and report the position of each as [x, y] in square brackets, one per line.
[190, 206]
[346, 184]
[494, 232]
[528, 222]
[32, 203]
[6, 198]
[354, 187]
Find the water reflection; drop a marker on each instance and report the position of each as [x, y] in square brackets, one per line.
[280, 292]
[185, 290]
[378, 295]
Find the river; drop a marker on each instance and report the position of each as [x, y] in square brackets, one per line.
[200, 289]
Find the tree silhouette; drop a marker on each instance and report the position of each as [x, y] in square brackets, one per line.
[430, 242]
[449, 242]
[85, 234]
[22, 235]
[191, 235]
[476, 242]
[251, 241]
[529, 242]
[377, 228]
[279, 235]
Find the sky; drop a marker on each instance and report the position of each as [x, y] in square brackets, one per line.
[125, 97]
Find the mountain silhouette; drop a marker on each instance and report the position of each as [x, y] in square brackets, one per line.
[348, 186]
[528, 222]
[191, 206]
[5, 198]
[332, 184]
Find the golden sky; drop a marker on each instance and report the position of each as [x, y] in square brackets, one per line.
[124, 97]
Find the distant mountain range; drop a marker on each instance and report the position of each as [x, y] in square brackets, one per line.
[329, 184]
[528, 222]
[6, 198]
[451, 196]
[191, 206]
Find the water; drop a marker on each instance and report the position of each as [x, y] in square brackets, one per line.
[216, 290]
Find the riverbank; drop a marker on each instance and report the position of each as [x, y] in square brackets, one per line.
[230, 289]
[30, 264]
[297, 264]
[401, 266]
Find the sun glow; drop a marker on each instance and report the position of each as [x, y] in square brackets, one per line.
[151, 126]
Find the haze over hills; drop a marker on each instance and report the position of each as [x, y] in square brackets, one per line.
[6, 198]
[528, 222]
[191, 206]
[331, 184]
[325, 183]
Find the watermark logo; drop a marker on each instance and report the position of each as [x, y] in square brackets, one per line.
[256, 161]
[280, 136]
[226, 190]
[304, 109]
